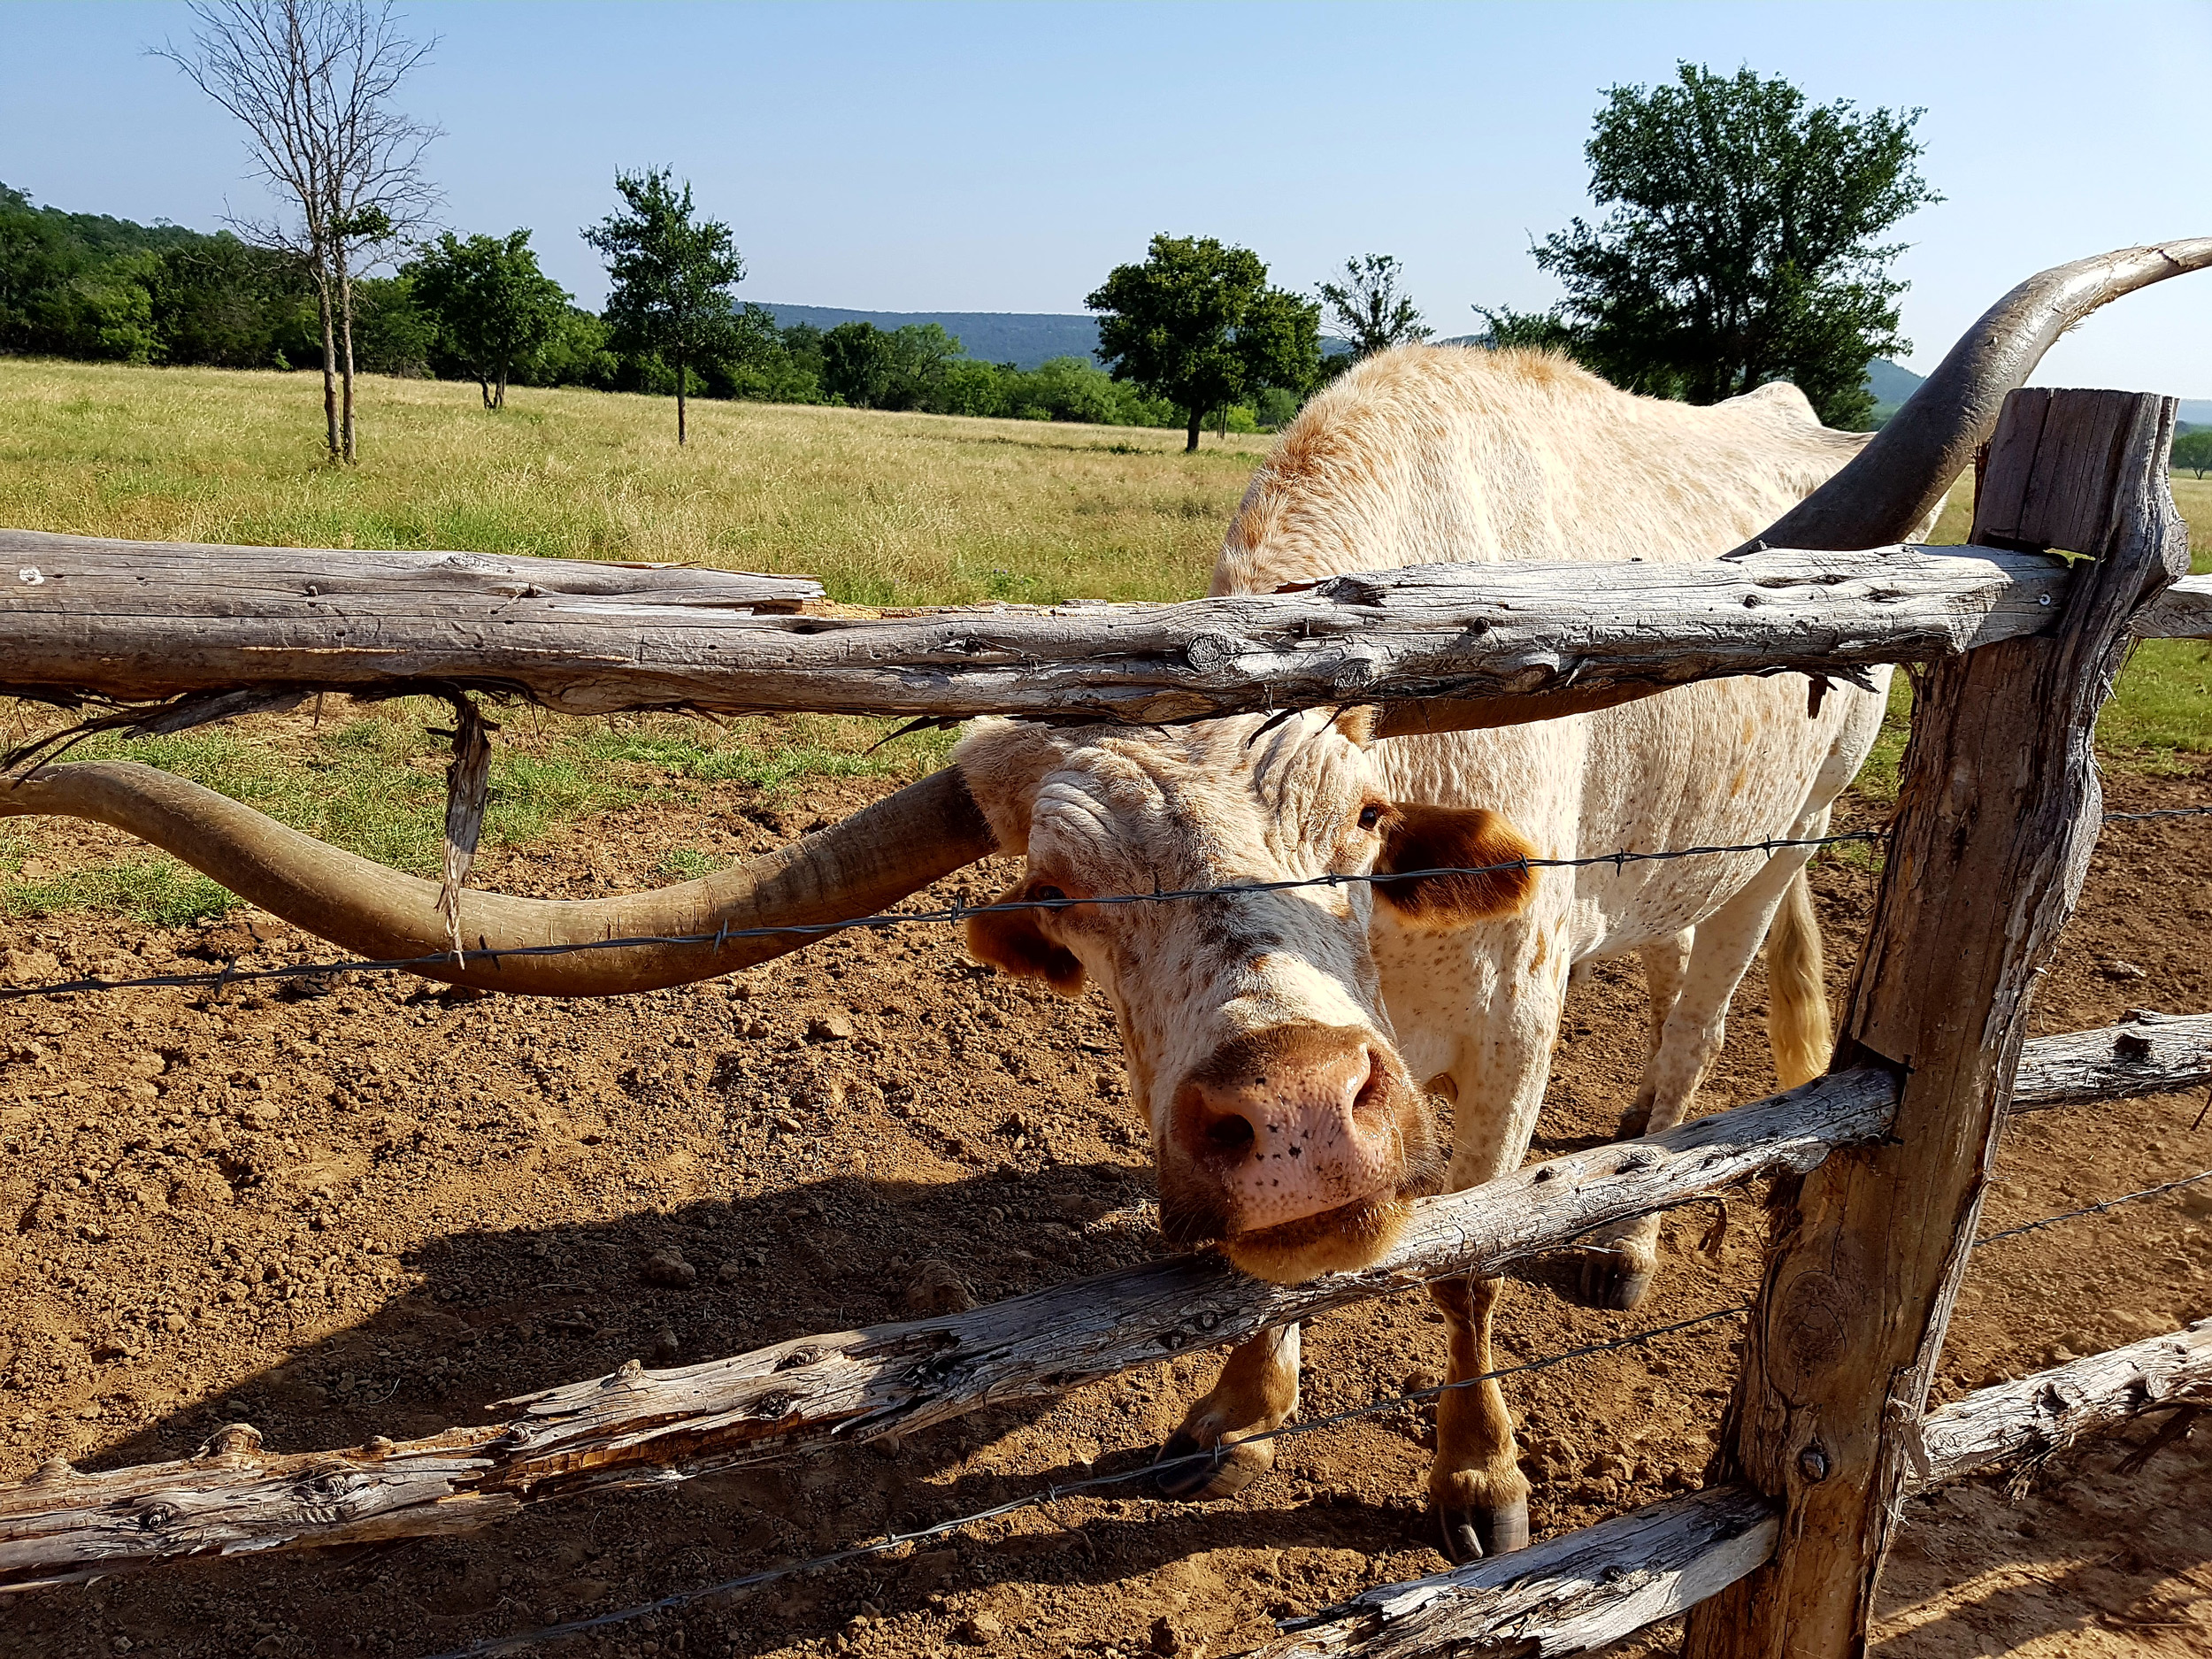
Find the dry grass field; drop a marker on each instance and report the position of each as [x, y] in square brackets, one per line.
[883, 508]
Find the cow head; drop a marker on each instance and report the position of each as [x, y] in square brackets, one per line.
[1285, 1126]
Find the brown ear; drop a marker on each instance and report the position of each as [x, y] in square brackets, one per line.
[1454, 838]
[1010, 941]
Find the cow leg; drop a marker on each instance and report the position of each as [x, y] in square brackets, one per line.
[1619, 1261]
[1666, 969]
[1257, 1391]
[1476, 1486]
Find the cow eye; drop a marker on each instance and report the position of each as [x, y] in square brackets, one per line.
[1370, 815]
[1047, 895]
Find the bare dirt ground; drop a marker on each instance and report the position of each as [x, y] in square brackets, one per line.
[374, 1209]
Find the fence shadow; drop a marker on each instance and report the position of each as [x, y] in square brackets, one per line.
[500, 1313]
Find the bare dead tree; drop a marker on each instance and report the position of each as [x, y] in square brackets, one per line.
[312, 82]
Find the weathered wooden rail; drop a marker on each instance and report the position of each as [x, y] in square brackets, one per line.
[1584, 1590]
[138, 622]
[848, 1388]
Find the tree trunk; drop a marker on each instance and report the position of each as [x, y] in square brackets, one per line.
[330, 358]
[500, 402]
[1197, 422]
[485, 386]
[680, 402]
[345, 344]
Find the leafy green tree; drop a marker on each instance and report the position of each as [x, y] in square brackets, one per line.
[577, 354]
[494, 309]
[1196, 324]
[1370, 313]
[1744, 244]
[857, 363]
[672, 277]
[2193, 450]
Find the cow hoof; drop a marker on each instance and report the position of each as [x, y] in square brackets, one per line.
[1470, 1535]
[1235, 1467]
[1610, 1280]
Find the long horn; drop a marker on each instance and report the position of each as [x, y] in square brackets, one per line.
[1894, 482]
[852, 868]
[1897, 479]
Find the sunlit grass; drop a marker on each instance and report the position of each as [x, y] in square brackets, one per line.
[884, 509]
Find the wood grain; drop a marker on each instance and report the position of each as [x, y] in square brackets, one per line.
[1998, 810]
[137, 622]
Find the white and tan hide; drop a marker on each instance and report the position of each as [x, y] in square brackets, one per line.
[1419, 456]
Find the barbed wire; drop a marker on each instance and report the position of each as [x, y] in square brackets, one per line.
[2092, 1209]
[1211, 1457]
[230, 974]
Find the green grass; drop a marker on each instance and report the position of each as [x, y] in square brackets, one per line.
[374, 784]
[884, 509]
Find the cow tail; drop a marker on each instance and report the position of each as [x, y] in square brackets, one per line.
[1798, 1026]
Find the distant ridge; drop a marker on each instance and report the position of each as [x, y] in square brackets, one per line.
[1024, 339]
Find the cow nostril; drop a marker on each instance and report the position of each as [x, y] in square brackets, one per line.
[1375, 1087]
[1231, 1133]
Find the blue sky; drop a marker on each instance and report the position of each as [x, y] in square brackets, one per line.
[1002, 157]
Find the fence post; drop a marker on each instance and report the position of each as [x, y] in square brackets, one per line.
[1998, 810]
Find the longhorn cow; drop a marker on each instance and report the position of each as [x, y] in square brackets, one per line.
[1285, 1045]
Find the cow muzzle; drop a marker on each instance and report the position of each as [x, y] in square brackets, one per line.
[1295, 1148]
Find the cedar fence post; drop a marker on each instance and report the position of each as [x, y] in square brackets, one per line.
[1998, 810]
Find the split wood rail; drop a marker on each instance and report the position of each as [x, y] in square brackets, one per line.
[1878, 1169]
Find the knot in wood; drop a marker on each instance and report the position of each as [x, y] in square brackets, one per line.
[232, 1440]
[155, 1519]
[774, 1404]
[1354, 673]
[628, 1371]
[1812, 1463]
[1211, 651]
[1811, 1327]
[2128, 1046]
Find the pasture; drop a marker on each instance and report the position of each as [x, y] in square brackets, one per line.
[374, 1208]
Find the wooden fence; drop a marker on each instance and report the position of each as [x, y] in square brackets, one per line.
[1878, 1169]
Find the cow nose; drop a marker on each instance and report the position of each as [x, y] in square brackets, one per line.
[1292, 1137]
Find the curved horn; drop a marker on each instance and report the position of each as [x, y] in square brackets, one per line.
[878, 855]
[1893, 483]
[1897, 479]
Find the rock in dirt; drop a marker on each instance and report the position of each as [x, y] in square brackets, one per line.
[835, 1027]
[980, 1628]
[29, 967]
[667, 1267]
[1165, 1643]
[935, 1289]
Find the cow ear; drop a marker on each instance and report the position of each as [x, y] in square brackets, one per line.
[1454, 838]
[1012, 941]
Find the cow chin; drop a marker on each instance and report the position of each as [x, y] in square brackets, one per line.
[1334, 1242]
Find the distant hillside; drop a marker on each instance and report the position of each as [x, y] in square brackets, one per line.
[1024, 339]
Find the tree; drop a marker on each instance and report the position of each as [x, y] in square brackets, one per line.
[672, 277]
[1371, 315]
[2193, 450]
[1196, 324]
[1744, 245]
[312, 82]
[494, 309]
